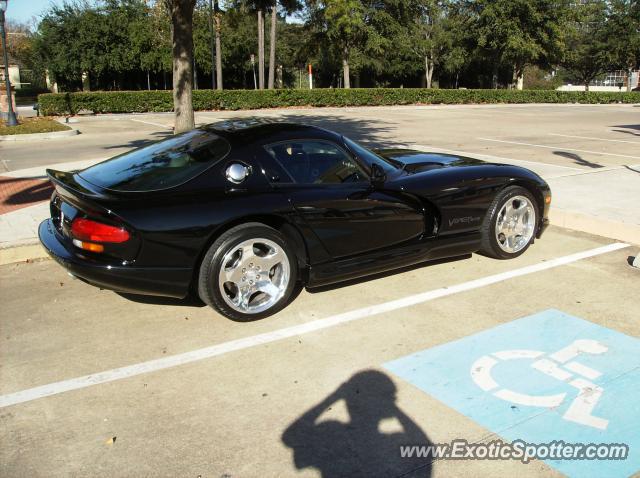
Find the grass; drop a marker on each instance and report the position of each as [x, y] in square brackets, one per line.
[32, 125]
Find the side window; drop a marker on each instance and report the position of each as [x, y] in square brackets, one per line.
[315, 162]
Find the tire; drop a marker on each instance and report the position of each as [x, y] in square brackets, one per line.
[520, 234]
[248, 273]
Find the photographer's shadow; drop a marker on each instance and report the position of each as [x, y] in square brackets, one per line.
[359, 447]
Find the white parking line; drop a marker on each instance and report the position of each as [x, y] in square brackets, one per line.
[559, 148]
[293, 331]
[151, 123]
[594, 139]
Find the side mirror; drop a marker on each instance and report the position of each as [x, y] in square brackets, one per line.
[378, 176]
[237, 172]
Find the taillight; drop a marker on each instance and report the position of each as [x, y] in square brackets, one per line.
[88, 230]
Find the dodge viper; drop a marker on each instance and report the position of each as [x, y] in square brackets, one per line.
[242, 212]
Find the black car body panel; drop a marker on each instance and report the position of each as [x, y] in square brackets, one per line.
[428, 206]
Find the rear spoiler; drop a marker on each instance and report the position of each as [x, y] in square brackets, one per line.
[69, 181]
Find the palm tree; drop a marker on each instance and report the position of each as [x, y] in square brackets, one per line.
[272, 44]
[260, 9]
[289, 6]
[214, 32]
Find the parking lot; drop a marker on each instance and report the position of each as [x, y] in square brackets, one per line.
[101, 384]
[225, 412]
[582, 137]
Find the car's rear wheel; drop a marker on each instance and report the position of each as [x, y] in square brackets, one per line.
[248, 273]
[510, 225]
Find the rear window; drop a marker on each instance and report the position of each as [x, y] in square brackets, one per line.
[162, 165]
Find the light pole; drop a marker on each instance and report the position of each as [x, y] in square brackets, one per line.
[11, 116]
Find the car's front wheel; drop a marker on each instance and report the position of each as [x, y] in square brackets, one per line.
[510, 225]
[248, 273]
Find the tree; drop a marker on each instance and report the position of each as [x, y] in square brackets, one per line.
[346, 28]
[623, 28]
[521, 32]
[589, 52]
[181, 12]
[154, 37]
[260, 7]
[272, 45]
[218, 28]
[430, 35]
[289, 6]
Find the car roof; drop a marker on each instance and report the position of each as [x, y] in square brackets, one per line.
[252, 130]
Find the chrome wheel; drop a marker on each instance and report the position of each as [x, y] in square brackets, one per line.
[515, 224]
[254, 275]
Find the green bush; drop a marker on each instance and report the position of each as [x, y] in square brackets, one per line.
[160, 101]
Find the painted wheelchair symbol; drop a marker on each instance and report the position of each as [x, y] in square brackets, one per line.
[559, 365]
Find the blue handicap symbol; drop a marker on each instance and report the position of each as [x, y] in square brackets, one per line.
[542, 378]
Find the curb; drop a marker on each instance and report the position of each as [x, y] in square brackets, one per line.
[622, 231]
[39, 136]
[22, 252]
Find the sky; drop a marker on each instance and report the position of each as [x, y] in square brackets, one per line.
[23, 10]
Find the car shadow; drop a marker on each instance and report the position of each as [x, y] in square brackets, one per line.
[190, 301]
[378, 133]
[578, 159]
[359, 447]
[382, 275]
[371, 132]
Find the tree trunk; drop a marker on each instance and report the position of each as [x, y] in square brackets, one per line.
[494, 75]
[218, 49]
[586, 85]
[428, 70]
[272, 44]
[518, 78]
[182, 35]
[212, 46]
[345, 67]
[260, 49]
[86, 82]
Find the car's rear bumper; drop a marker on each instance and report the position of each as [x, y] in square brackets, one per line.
[170, 282]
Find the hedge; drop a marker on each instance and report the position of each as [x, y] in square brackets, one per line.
[161, 101]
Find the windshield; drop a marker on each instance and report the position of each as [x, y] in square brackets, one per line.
[162, 165]
[369, 156]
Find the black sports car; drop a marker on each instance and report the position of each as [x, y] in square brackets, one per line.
[240, 212]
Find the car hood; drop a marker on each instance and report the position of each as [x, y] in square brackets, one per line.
[414, 161]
